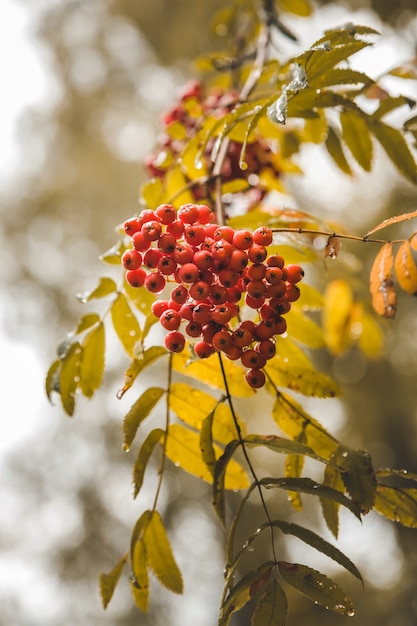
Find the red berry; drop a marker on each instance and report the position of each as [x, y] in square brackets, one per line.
[151, 230]
[131, 259]
[293, 292]
[147, 215]
[195, 234]
[175, 228]
[252, 359]
[183, 253]
[167, 243]
[256, 289]
[255, 378]
[266, 329]
[205, 214]
[202, 313]
[170, 319]
[193, 329]
[222, 340]
[221, 314]
[254, 303]
[189, 273]
[280, 326]
[209, 330]
[152, 257]
[154, 282]
[257, 253]
[132, 226]
[203, 349]
[166, 213]
[275, 260]
[199, 290]
[203, 259]
[294, 273]
[175, 341]
[167, 265]
[179, 294]
[186, 311]
[224, 232]
[242, 239]
[263, 236]
[267, 348]
[228, 278]
[158, 307]
[242, 337]
[273, 275]
[238, 260]
[140, 242]
[256, 271]
[221, 250]
[233, 352]
[188, 213]
[136, 278]
[219, 294]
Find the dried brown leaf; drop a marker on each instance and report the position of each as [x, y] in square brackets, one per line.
[384, 297]
[406, 269]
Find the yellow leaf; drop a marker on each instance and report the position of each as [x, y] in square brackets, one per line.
[298, 7]
[208, 371]
[138, 412]
[357, 137]
[315, 130]
[139, 585]
[69, 377]
[397, 504]
[384, 297]
[152, 193]
[183, 449]
[176, 187]
[406, 269]
[125, 324]
[108, 582]
[338, 303]
[299, 426]
[159, 554]
[305, 380]
[92, 365]
[304, 329]
[371, 340]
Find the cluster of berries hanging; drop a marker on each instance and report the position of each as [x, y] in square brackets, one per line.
[193, 106]
[212, 268]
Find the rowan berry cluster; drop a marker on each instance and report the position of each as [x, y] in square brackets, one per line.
[193, 105]
[213, 270]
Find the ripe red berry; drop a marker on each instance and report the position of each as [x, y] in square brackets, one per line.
[202, 313]
[175, 341]
[255, 378]
[224, 232]
[132, 226]
[252, 359]
[139, 241]
[263, 236]
[218, 294]
[266, 329]
[199, 290]
[256, 271]
[242, 239]
[175, 228]
[242, 337]
[203, 259]
[147, 215]
[154, 282]
[221, 314]
[151, 230]
[131, 259]
[233, 352]
[293, 292]
[273, 275]
[267, 348]
[183, 253]
[238, 260]
[193, 329]
[294, 273]
[257, 253]
[136, 278]
[203, 349]
[189, 273]
[167, 265]
[256, 289]
[167, 243]
[179, 294]
[195, 234]
[166, 213]
[276, 260]
[205, 214]
[188, 213]
[170, 319]
[158, 307]
[186, 311]
[228, 278]
[152, 257]
[222, 340]
[221, 250]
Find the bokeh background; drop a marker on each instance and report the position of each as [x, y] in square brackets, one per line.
[83, 85]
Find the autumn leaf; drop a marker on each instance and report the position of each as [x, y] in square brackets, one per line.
[384, 297]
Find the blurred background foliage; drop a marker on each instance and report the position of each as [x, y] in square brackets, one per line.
[66, 493]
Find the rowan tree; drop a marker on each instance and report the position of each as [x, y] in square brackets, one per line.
[211, 293]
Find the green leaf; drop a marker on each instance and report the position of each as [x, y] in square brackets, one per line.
[320, 60]
[396, 147]
[108, 582]
[219, 475]
[335, 150]
[86, 322]
[69, 377]
[208, 371]
[138, 365]
[305, 380]
[138, 412]
[52, 378]
[243, 591]
[281, 445]
[330, 508]
[143, 457]
[357, 137]
[390, 104]
[397, 504]
[125, 324]
[315, 541]
[159, 554]
[358, 476]
[272, 609]
[317, 587]
[296, 423]
[308, 486]
[139, 583]
[92, 365]
[401, 473]
[105, 287]
[340, 76]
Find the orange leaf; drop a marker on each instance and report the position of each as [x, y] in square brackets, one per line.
[384, 297]
[406, 269]
[392, 220]
[332, 248]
